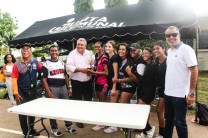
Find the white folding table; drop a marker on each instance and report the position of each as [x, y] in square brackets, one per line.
[109, 114]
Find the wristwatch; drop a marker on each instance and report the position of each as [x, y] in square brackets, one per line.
[192, 94]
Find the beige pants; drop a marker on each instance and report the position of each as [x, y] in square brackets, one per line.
[10, 90]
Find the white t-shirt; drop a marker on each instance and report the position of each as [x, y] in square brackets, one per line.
[177, 80]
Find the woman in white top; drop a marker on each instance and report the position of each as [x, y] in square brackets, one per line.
[9, 61]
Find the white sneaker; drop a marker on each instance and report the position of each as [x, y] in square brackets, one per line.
[158, 136]
[150, 133]
[97, 127]
[56, 132]
[140, 135]
[110, 129]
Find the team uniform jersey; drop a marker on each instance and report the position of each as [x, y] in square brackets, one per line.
[161, 70]
[100, 62]
[123, 74]
[148, 84]
[54, 71]
[113, 59]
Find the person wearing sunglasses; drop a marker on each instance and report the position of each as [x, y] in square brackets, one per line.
[180, 83]
[24, 82]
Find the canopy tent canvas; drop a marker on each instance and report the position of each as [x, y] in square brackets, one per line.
[147, 20]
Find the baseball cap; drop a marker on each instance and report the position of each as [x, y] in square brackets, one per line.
[134, 46]
[26, 44]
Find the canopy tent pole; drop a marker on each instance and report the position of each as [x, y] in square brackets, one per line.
[73, 44]
[197, 45]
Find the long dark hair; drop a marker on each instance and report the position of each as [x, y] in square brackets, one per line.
[127, 49]
[5, 59]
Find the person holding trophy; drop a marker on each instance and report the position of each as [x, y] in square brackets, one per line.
[78, 62]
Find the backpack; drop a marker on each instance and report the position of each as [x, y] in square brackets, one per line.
[202, 114]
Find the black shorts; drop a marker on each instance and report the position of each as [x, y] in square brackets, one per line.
[101, 88]
[129, 90]
[146, 97]
[110, 86]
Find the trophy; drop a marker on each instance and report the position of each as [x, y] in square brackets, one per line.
[90, 60]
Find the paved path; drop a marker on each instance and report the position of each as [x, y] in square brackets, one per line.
[10, 128]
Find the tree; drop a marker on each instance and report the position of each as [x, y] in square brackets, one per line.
[81, 6]
[7, 27]
[115, 3]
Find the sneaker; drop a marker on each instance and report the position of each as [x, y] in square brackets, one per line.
[150, 133]
[80, 125]
[110, 129]
[71, 130]
[56, 132]
[158, 136]
[97, 127]
[140, 135]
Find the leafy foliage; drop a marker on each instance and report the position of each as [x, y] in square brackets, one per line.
[115, 3]
[7, 27]
[81, 6]
[38, 54]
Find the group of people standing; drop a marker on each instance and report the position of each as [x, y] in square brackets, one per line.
[121, 72]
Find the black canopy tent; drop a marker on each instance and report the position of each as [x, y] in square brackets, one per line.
[127, 23]
[147, 20]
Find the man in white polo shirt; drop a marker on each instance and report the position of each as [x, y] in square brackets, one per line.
[77, 64]
[180, 83]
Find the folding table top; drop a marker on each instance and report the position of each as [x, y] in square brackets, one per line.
[102, 113]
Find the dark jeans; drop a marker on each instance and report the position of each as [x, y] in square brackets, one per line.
[60, 93]
[82, 90]
[175, 114]
[23, 118]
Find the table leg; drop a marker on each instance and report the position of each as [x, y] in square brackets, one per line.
[45, 127]
[28, 126]
[128, 132]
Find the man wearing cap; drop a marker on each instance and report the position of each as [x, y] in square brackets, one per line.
[24, 80]
[139, 64]
[56, 83]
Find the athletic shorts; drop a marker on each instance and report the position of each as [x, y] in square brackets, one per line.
[129, 90]
[110, 86]
[101, 87]
[146, 97]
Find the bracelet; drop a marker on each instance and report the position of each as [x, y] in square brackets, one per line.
[68, 88]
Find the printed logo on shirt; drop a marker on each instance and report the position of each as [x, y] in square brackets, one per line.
[57, 71]
[34, 66]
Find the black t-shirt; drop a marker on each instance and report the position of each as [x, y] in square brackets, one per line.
[148, 81]
[138, 62]
[161, 71]
[114, 58]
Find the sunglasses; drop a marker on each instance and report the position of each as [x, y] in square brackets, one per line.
[169, 35]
